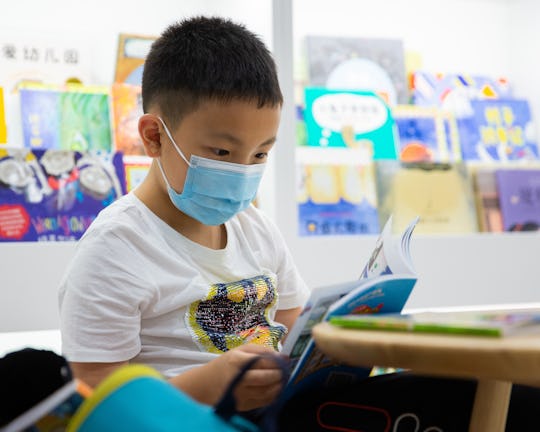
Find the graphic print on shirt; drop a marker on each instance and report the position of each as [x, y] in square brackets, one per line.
[236, 313]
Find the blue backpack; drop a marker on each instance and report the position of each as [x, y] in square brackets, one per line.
[137, 398]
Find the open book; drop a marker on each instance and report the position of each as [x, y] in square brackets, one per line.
[384, 286]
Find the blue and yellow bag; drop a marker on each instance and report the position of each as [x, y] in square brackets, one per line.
[137, 398]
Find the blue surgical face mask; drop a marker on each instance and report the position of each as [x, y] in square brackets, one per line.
[214, 191]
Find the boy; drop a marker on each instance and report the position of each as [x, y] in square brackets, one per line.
[184, 274]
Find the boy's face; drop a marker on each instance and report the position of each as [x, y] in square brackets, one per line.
[235, 131]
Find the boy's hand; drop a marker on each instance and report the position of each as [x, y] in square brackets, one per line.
[259, 387]
[261, 384]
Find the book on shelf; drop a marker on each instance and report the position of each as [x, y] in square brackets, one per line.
[127, 108]
[498, 130]
[384, 286]
[131, 53]
[337, 199]
[519, 198]
[474, 323]
[66, 117]
[487, 199]
[440, 194]
[54, 413]
[358, 63]
[351, 119]
[54, 195]
[425, 134]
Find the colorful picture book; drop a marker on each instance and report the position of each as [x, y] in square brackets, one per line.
[498, 130]
[70, 117]
[440, 193]
[452, 91]
[487, 200]
[384, 286]
[127, 108]
[337, 199]
[474, 323]
[136, 168]
[519, 198]
[54, 195]
[354, 119]
[131, 53]
[425, 134]
[358, 64]
[54, 413]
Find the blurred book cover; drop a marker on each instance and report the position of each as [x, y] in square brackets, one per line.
[127, 108]
[337, 199]
[519, 198]
[54, 195]
[136, 168]
[358, 64]
[354, 119]
[499, 130]
[487, 199]
[131, 53]
[439, 193]
[69, 117]
[425, 134]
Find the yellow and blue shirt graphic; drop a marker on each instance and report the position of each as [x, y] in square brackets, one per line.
[236, 313]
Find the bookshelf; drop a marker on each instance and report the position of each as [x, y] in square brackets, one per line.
[454, 271]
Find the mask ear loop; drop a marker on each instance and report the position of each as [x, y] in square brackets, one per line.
[173, 142]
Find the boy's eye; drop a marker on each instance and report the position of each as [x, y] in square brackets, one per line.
[221, 152]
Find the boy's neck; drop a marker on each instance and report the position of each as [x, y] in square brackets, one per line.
[213, 237]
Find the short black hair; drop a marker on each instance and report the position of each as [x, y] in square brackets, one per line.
[207, 58]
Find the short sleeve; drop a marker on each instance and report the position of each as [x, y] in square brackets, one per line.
[100, 301]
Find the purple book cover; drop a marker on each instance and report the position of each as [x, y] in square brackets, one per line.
[54, 195]
[519, 198]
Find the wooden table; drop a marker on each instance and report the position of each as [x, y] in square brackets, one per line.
[495, 362]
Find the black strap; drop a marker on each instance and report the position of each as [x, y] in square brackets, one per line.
[226, 407]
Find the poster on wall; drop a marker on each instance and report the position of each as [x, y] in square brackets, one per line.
[54, 195]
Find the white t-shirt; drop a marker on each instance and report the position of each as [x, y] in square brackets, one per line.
[138, 290]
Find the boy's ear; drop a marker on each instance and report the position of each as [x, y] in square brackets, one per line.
[149, 133]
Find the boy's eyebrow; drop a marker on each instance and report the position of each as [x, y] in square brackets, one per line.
[236, 140]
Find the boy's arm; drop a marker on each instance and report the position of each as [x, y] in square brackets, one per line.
[287, 317]
[93, 373]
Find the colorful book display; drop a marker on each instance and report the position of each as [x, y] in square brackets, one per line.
[55, 194]
[337, 200]
[127, 108]
[70, 117]
[426, 134]
[519, 198]
[358, 64]
[349, 118]
[439, 193]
